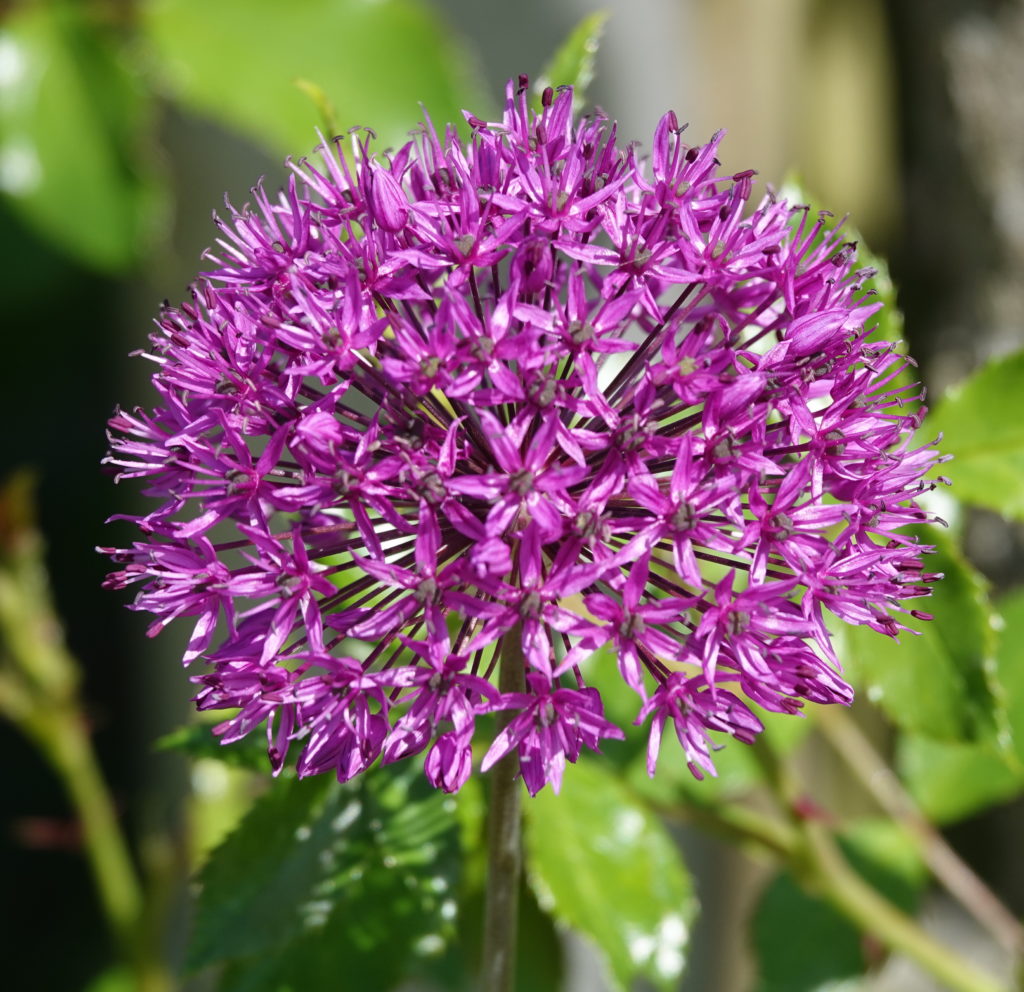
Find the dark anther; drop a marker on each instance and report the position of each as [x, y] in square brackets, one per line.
[632, 626]
[430, 366]
[542, 390]
[432, 489]
[588, 524]
[722, 450]
[427, 591]
[482, 348]
[632, 435]
[238, 481]
[737, 623]
[783, 526]
[684, 517]
[521, 482]
[580, 332]
[546, 714]
[443, 179]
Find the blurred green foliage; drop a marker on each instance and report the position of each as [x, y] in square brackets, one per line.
[83, 85]
[379, 881]
[76, 134]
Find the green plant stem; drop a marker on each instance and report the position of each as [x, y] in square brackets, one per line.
[39, 681]
[738, 824]
[826, 871]
[817, 862]
[852, 745]
[504, 839]
[61, 737]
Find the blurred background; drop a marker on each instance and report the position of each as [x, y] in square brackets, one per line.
[122, 125]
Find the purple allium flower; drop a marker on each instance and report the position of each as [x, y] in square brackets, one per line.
[530, 389]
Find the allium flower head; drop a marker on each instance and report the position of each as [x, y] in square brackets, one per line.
[522, 396]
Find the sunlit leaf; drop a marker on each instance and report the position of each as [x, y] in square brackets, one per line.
[952, 780]
[74, 125]
[356, 881]
[602, 864]
[982, 423]
[942, 682]
[198, 741]
[239, 62]
[573, 63]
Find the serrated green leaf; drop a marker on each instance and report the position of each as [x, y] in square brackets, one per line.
[573, 62]
[74, 122]
[950, 780]
[197, 740]
[354, 881]
[237, 62]
[803, 944]
[601, 863]
[943, 682]
[982, 423]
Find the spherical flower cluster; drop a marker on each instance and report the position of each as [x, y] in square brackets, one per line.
[506, 402]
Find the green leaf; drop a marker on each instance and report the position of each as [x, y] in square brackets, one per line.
[951, 780]
[982, 423]
[239, 62]
[601, 863]
[943, 682]
[74, 123]
[354, 881]
[573, 63]
[114, 980]
[198, 741]
[803, 944]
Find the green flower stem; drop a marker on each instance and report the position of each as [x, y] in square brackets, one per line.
[61, 736]
[852, 745]
[39, 694]
[812, 855]
[818, 863]
[504, 839]
[824, 870]
[744, 827]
